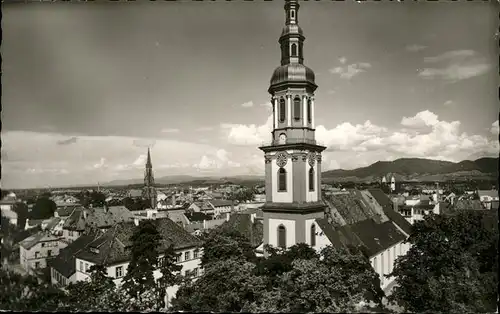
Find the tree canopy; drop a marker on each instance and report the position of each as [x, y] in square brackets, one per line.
[44, 208]
[452, 264]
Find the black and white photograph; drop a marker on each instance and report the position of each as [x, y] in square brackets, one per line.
[284, 156]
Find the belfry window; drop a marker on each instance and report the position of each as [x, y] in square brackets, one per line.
[282, 110]
[282, 236]
[296, 109]
[294, 50]
[313, 235]
[292, 14]
[282, 180]
[311, 179]
[309, 111]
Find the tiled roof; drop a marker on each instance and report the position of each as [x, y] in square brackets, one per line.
[64, 262]
[25, 234]
[193, 217]
[468, 204]
[388, 208]
[97, 217]
[111, 246]
[490, 193]
[371, 236]
[52, 223]
[221, 203]
[65, 211]
[31, 241]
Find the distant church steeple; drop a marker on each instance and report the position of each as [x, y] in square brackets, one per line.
[149, 192]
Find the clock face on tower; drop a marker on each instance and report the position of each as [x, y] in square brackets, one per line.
[312, 158]
[282, 138]
[281, 159]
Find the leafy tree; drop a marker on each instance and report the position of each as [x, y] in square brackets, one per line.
[226, 286]
[452, 264]
[279, 262]
[222, 244]
[26, 293]
[170, 272]
[139, 282]
[44, 208]
[97, 294]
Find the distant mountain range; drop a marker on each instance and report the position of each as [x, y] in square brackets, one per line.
[419, 169]
[403, 169]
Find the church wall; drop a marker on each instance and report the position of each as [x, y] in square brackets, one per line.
[282, 196]
[299, 185]
[268, 180]
[273, 231]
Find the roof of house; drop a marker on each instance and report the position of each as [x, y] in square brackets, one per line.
[221, 203]
[468, 204]
[242, 223]
[388, 208]
[64, 262]
[38, 237]
[135, 193]
[112, 245]
[372, 237]
[490, 193]
[18, 237]
[52, 223]
[197, 216]
[97, 217]
[66, 210]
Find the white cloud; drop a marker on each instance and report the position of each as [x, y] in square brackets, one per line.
[247, 104]
[346, 136]
[342, 60]
[331, 92]
[494, 128]
[351, 70]
[101, 163]
[241, 134]
[268, 105]
[168, 130]
[456, 65]
[449, 103]
[141, 160]
[420, 120]
[415, 48]
[217, 161]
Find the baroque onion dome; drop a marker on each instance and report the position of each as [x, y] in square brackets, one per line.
[292, 70]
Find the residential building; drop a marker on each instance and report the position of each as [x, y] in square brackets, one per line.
[219, 207]
[109, 249]
[489, 198]
[100, 218]
[36, 249]
[7, 209]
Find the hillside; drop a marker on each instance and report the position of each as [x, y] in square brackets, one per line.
[419, 169]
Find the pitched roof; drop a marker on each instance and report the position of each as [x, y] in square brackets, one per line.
[64, 262]
[66, 210]
[97, 217]
[111, 247]
[197, 216]
[221, 203]
[41, 236]
[468, 204]
[18, 237]
[490, 193]
[388, 208]
[371, 236]
[52, 223]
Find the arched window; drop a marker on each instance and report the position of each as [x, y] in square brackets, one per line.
[296, 108]
[313, 235]
[309, 111]
[282, 110]
[311, 179]
[282, 236]
[294, 50]
[292, 14]
[282, 180]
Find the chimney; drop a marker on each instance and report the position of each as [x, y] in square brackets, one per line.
[136, 221]
[204, 224]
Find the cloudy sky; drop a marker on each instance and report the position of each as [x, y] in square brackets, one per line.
[87, 87]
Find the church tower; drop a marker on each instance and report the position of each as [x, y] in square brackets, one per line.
[149, 192]
[292, 158]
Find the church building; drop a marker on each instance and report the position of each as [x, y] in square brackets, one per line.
[292, 158]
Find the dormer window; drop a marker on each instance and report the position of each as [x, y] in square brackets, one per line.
[94, 250]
